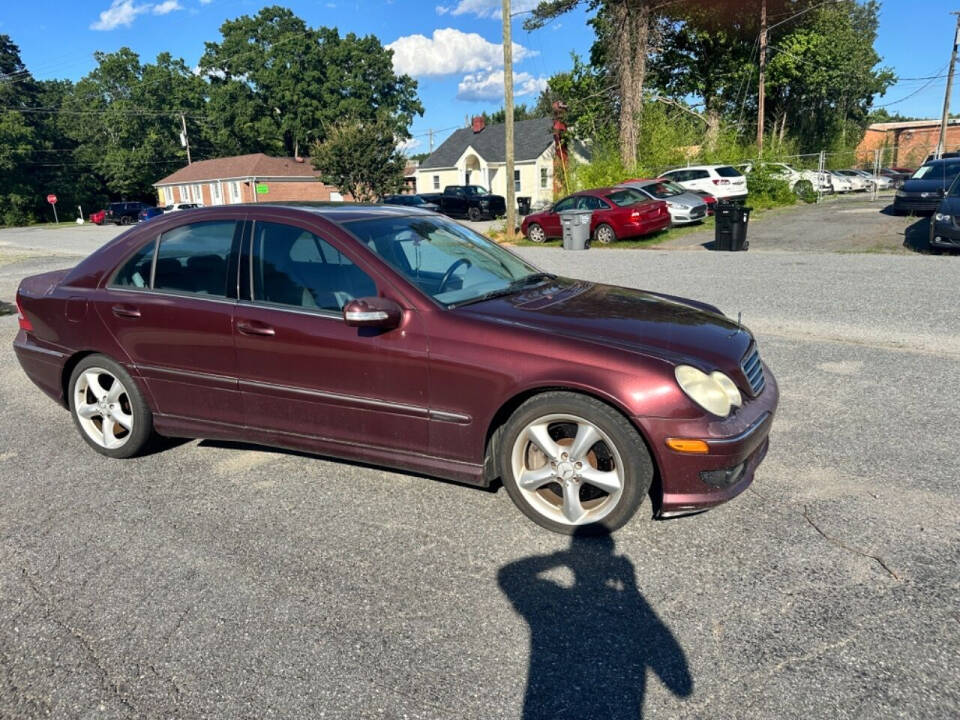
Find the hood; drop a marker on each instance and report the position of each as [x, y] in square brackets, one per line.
[932, 184]
[671, 328]
[687, 198]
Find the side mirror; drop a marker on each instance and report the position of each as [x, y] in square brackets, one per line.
[375, 312]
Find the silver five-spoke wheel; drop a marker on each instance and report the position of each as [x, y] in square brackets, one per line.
[103, 408]
[568, 469]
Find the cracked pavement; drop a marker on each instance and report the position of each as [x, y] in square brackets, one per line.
[236, 581]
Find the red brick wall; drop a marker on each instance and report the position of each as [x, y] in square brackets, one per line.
[305, 191]
[907, 147]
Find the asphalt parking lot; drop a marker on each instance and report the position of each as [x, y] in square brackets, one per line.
[238, 581]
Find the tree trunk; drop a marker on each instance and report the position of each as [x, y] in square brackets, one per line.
[713, 129]
[783, 126]
[630, 38]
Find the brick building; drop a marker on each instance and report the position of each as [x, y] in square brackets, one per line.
[245, 179]
[906, 144]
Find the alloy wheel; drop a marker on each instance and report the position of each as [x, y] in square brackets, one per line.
[568, 469]
[536, 234]
[605, 235]
[103, 408]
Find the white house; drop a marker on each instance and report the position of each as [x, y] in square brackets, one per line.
[476, 155]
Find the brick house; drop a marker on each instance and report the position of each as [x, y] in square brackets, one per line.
[245, 179]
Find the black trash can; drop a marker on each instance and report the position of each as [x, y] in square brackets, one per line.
[523, 205]
[731, 227]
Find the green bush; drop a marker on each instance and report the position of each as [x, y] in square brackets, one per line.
[765, 190]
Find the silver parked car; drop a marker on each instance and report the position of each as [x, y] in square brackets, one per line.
[685, 207]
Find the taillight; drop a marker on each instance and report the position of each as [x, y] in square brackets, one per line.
[24, 323]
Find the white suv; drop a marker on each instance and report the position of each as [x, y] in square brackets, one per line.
[724, 182]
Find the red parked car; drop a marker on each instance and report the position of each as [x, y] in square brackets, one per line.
[99, 217]
[395, 336]
[618, 213]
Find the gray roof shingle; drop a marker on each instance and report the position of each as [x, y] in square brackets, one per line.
[530, 138]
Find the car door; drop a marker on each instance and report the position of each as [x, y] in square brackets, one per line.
[600, 208]
[551, 220]
[455, 201]
[305, 373]
[170, 308]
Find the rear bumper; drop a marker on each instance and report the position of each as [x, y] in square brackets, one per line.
[694, 482]
[43, 365]
[643, 227]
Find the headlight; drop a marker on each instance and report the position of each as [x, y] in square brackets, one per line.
[679, 206]
[715, 393]
[942, 217]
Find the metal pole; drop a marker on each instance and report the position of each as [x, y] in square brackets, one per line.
[876, 173]
[761, 97]
[55, 218]
[820, 173]
[186, 138]
[508, 111]
[942, 142]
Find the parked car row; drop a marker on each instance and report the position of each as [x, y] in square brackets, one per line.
[128, 213]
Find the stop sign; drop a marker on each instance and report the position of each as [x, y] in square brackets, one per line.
[52, 199]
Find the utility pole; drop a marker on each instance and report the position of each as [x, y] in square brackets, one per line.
[508, 110]
[942, 142]
[763, 76]
[430, 133]
[184, 138]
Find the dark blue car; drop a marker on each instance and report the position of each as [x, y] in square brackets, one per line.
[149, 212]
[923, 191]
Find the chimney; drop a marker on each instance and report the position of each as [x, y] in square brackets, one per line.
[477, 124]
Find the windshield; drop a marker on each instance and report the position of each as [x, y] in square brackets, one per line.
[939, 171]
[625, 197]
[661, 190]
[448, 262]
[476, 190]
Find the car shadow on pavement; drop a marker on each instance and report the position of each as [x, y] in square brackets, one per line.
[916, 236]
[592, 636]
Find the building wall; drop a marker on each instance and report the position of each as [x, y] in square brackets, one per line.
[493, 176]
[242, 191]
[905, 147]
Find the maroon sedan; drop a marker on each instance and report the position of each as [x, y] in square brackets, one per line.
[617, 213]
[395, 336]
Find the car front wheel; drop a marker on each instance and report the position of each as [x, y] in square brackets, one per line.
[473, 214]
[108, 409]
[570, 463]
[536, 234]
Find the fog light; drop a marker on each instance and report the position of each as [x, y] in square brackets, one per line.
[723, 478]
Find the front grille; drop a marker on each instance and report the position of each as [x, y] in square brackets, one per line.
[753, 370]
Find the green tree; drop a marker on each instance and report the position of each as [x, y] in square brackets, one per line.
[279, 85]
[361, 158]
[520, 112]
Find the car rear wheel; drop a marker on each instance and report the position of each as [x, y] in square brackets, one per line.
[604, 234]
[108, 409]
[473, 214]
[572, 463]
[536, 234]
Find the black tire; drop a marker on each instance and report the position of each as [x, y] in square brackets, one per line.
[604, 234]
[125, 220]
[535, 233]
[142, 432]
[803, 188]
[473, 214]
[637, 468]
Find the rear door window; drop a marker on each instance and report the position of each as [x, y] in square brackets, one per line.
[194, 258]
[135, 273]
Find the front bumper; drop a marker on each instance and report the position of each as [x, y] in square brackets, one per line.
[916, 204]
[739, 440]
[685, 217]
[946, 234]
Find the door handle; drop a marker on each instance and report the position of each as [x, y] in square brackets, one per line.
[248, 327]
[125, 311]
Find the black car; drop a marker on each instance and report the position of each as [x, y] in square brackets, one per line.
[124, 213]
[921, 194]
[945, 222]
[410, 201]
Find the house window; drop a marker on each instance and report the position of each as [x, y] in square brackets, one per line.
[543, 178]
[516, 180]
[197, 192]
[235, 191]
[215, 197]
[184, 194]
[436, 182]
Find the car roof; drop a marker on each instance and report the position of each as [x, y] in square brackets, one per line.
[341, 212]
[701, 167]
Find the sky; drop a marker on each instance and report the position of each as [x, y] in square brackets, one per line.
[452, 47]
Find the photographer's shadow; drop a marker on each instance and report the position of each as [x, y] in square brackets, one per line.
[590, 642]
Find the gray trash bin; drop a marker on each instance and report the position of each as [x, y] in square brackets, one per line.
[576, 229]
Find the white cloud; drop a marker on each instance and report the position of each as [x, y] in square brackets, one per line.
[449, 51]
[124, 12]
[489, 85]
[492, 8]
[407, 145]
[442, 9]
[167, 6]
[120, 12]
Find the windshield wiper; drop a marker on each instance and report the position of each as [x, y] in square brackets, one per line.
[516, 285]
